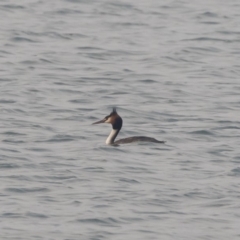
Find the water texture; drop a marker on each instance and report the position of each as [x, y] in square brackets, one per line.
[172, 70]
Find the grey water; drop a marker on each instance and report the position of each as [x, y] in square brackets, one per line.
[172, 70]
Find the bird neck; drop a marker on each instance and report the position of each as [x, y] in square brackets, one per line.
[113, 134]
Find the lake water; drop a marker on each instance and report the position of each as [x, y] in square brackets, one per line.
[172, 70]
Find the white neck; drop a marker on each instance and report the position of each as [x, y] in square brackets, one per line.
[113, 134]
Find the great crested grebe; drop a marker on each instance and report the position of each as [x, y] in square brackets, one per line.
[116, 122]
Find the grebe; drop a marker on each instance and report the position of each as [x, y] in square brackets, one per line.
[116, 122]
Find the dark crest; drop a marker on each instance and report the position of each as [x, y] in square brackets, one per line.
[114, 111]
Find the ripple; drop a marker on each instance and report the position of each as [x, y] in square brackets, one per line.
[111, 222]
[22, 39]
[34, 149]
[27, 190]
[235, 172]
[128, 180]
[3, 101]
[60, 138]
[211, 39]
[12, 215]
[36, 215]
[202, 132]
[13, 141]
[13, 6]
[8, 166]
[209, 14]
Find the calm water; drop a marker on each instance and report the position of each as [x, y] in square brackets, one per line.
[172, 70]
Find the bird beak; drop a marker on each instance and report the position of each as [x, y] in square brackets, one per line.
[101, 121]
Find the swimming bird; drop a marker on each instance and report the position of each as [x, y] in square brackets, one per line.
[116, 121]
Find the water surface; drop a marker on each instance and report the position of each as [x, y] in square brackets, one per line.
[172, 70]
